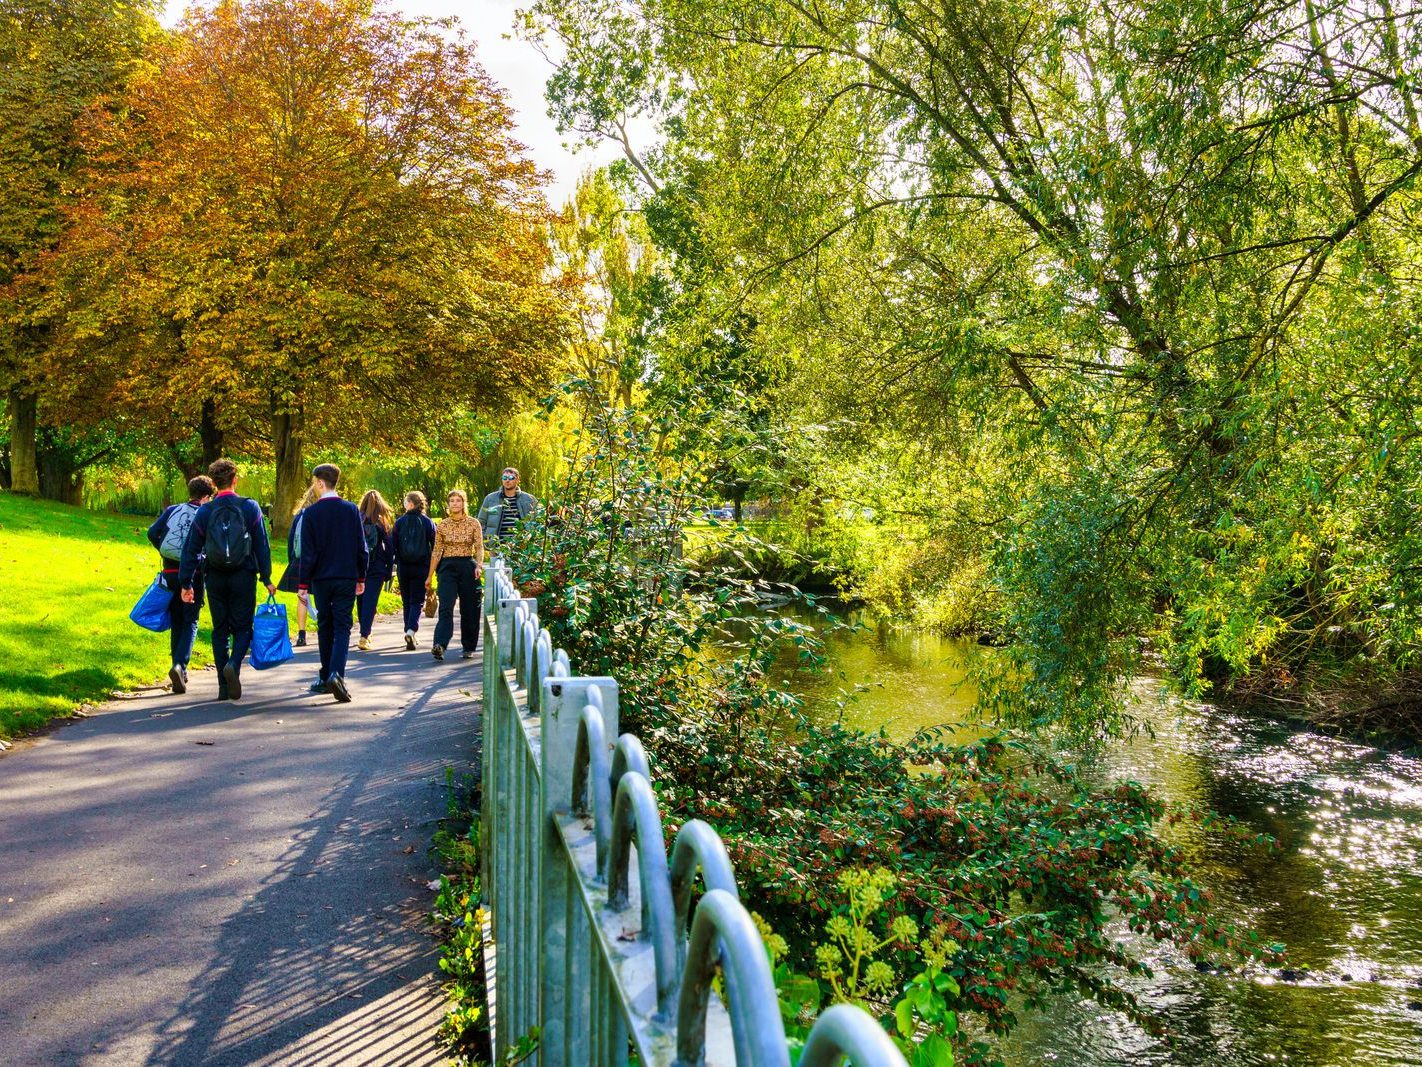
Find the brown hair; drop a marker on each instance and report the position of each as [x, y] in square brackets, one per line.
[459, 493]
[328, 473]
[200, 487]
[374, 508]
[223, 473]
[414, 496]
[310, 497]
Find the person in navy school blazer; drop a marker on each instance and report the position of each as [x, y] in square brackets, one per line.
[332, 570]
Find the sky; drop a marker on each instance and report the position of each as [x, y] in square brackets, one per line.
[518, 68]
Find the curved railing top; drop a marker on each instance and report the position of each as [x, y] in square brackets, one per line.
[616, 787]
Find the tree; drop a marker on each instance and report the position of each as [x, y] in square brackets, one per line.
[58, 58]
[315, 215]
[1151, 263]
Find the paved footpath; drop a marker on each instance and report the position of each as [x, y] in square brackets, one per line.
[184, 881]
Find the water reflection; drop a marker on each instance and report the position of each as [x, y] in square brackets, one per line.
[1344, 890]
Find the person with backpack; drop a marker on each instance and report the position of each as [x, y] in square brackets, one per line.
[457, 565]
[293, 556]
[333, 564]
[168, 534]
[229, 536]
[376, 520]
[414, 539]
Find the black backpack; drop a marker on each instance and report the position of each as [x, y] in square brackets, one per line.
[372, 535]
[414, 543]
[229, 542]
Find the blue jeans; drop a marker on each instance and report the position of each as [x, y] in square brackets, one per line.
[412, 591]
[456, 581]
[184, 617]
[335, 603]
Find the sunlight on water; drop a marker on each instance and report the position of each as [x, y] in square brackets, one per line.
[1344, 890]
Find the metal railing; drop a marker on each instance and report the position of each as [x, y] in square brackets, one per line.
[594, 946]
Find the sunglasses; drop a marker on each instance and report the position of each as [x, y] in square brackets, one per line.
[510, 477]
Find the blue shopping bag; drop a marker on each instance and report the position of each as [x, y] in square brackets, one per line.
[271, 642]
[151, 611]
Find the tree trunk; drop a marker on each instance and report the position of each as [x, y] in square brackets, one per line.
[290, 467]
[60, 479]
[210, 432]
[24, 460]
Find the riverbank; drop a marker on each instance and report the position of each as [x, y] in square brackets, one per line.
[1341, 891]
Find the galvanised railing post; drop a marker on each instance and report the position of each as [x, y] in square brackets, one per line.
[594, 956]
[567, 970]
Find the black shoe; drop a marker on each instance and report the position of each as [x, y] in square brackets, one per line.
[468, 653]
[222, 693]
[234, 682]
[179, 677]
[336, 686]
[301, 639]
[318, 686]
[437, 652]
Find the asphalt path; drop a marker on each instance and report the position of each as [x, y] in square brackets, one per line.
[187, 881]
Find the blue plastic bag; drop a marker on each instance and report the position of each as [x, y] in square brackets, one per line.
[151, 611]
[271, 641]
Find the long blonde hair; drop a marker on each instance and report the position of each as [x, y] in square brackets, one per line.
[312, 495]
[374, 508]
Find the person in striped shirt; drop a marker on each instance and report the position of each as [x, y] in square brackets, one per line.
[505, 507]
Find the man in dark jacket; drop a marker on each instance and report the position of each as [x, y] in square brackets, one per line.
[169, 534]
[230, 536]
[334, 559]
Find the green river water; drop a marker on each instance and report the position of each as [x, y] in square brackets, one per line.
[1343, 892]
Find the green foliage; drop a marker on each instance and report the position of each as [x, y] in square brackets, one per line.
[459, 920]
[1010, 862]
[1037, 265]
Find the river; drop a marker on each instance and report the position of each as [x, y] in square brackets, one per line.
[1343, 892]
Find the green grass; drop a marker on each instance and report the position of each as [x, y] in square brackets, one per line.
[69, 578]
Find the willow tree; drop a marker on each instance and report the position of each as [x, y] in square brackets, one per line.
[1146, 269]
[316, 213]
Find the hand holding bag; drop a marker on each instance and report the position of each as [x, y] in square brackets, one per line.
[431, 603]
[271, 641]
[151, 611]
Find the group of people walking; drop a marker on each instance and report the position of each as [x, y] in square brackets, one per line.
[215, 546]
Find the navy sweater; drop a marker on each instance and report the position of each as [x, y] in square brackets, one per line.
[332, 543]
[382, 556]
[259, 553]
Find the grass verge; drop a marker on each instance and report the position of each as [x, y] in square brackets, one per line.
[459, 924]
[69, 579]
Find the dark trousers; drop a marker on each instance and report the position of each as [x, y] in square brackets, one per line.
[455, 580]
[232, 600]
[335, 601]
[369, 601]
[412, 591]
[184, 616]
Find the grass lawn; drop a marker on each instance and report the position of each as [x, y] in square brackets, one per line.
[69, 578]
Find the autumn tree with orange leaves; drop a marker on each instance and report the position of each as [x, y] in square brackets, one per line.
[309, 227]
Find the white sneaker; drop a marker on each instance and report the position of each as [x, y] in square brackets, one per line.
[410, 640]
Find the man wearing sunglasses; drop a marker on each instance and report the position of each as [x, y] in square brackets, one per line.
[505, 507]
